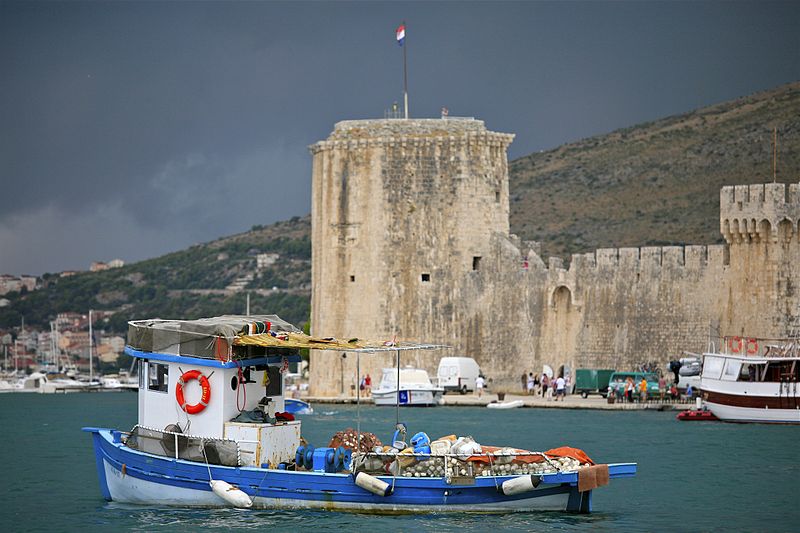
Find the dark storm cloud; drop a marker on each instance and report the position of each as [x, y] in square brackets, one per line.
[133, 129]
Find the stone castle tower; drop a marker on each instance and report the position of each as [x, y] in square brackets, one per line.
[410, 238]
[401, 211]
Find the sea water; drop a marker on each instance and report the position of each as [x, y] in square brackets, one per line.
[693, 476]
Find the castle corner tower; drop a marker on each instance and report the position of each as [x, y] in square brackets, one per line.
[402, 210]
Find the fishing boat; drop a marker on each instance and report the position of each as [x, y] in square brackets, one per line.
[753, 380]
[297, 407]
[212, 432]
[415, 388]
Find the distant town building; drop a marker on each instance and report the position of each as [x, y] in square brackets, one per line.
[265, 260]
[98, 266]
[10, 283]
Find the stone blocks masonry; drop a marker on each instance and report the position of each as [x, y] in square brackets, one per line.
[410, 240]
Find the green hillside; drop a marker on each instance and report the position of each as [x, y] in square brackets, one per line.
[187, 284]
[654, 183]
[650, 184]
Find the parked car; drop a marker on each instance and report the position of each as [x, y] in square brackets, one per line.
[618, 379]
[457, 374]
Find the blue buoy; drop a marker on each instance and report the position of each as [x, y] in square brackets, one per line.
[298, 457]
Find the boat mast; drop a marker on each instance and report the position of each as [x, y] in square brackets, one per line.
[90, 346]
[397, 399]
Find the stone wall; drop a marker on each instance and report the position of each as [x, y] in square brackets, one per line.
[411, 240]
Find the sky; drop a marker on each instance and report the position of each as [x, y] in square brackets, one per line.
[134, 129]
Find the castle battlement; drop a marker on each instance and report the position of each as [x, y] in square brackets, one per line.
[692, 257]
[412, 133]
[759, 213]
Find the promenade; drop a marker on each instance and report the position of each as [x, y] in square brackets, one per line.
[572, 401]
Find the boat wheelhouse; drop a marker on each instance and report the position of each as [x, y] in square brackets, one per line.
[753, 380]
[212, 431]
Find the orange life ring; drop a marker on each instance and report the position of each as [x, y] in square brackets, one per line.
[735, 344]
[204, 398]
[752, 346]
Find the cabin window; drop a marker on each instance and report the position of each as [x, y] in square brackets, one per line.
[157, 377]
[712, 367]
[732, 369]
[141, 372]
[426, 277]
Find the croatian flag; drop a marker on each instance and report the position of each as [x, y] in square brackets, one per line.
[401, 34]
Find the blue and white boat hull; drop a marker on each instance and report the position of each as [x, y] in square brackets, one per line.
[131, 476]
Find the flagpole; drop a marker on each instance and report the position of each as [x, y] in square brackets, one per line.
[405, 76]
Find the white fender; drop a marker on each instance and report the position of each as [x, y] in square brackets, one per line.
[519, 484]
[373, 484]
[231, 494]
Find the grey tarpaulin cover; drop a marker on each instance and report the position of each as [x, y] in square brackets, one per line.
[195, 337]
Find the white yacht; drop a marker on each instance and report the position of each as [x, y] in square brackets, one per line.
[753, 381]
[416, 388]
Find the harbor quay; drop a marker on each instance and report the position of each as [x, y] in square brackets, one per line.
[572, 401]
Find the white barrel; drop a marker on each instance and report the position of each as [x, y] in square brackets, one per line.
[373, 484]
[231, 494]
[520, 484]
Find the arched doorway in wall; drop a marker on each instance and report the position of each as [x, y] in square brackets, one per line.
[561, 300]
[563, 319]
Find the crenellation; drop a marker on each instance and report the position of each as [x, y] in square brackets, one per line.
[607, 257]
[696, 256]
[672, 256]
[650, 257]
[629, 258]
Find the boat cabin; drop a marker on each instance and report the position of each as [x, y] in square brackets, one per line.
[196, 385]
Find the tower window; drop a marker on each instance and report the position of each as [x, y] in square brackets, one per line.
[426, 277]
[352, 278]
[497, 196]
[476, 263]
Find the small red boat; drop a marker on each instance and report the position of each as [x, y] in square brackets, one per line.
[696, 414]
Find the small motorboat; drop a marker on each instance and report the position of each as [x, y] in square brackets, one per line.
[511, 404]
[696, 414]
[297, 407]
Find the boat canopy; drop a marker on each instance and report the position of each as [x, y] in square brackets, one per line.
[231, 337]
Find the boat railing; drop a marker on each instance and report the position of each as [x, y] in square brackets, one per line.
[179, 445]
[759, 346]
[461, 465]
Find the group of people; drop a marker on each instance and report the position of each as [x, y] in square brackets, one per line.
[630, 391]
[545, 386]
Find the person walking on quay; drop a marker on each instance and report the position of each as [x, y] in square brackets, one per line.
[662, 388]
[545, 384]
[529, 383]
[368, 385]
[524, 381]
[643, 389]
[480, 382]
[629, 389]
[561, 388]
[536, 384]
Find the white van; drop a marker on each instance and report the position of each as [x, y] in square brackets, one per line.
[458, 374]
